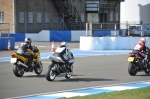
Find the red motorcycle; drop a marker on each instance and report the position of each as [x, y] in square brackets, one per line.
[136, 65]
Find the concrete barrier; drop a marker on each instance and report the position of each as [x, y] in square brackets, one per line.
[62, 35]
[110, 43]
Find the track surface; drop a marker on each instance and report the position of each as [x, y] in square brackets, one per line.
[88, 72]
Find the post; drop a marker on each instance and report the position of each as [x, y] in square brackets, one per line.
[127, 28]
[115, 30]
[13, 5]
[142, 30]
[0, 30]
[63, 20]
[8, 30]
[91, 30]
[25, 22]
[101, 30]
[86, 29]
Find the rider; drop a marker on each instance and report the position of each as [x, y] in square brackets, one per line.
[65, 54]
[22, 49]
[139, 48]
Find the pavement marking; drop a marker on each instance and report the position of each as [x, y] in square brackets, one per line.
[80, 53]
[87, 91]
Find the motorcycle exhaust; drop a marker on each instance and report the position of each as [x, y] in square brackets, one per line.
[20, 63]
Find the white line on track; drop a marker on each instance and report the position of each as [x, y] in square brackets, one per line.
[147, 81]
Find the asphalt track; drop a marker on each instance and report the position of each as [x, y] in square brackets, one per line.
[89, 71]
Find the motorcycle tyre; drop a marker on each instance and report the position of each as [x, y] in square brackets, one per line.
[146, 70]
[15, 70]
[37, 67]
[69, 74]
[130, 69]
[48, 72]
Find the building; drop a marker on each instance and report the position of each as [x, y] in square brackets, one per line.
[32, 16]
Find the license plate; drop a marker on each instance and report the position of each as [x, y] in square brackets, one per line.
[13, 60]
[130, 59]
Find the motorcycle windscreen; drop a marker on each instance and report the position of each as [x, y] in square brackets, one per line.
[130, 59]
[59, 50]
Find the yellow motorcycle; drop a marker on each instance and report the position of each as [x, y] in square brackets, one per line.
[20, 63]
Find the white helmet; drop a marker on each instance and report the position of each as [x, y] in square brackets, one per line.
[143, 40]
[28, 40]
[64, 44]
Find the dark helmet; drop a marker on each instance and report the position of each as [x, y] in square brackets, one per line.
[28, 40]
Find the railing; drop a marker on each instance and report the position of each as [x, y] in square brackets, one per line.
[135, 28]
[78, 18]
[65, 8]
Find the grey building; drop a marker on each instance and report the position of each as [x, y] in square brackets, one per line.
[32, 16]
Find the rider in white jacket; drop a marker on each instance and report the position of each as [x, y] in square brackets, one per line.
[65, 54]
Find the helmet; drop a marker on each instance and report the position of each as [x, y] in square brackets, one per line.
[28, 40]
[143, 40]
[64, 44]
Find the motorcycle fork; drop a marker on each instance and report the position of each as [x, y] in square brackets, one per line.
[55, 68]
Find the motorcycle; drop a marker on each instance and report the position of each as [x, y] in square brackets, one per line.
[20, 63]
[136, 65]
[58, 67]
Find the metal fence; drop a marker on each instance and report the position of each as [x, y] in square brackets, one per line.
[134, 28]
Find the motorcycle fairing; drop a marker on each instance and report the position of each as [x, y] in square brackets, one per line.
[20, 57]
[56, 59]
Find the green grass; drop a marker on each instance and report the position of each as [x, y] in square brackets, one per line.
[140, 93]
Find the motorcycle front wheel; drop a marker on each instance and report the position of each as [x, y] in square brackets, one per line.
[38, 68]
[18, 71]
[132, 69]
[50, 74]
[147, 70]
[69, 73]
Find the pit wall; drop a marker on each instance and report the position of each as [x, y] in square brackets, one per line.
[110, 43]
[61, 35]
[4, 43]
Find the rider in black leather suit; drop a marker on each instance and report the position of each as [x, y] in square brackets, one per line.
[22, 50]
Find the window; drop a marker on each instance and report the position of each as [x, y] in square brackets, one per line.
[111, 16]
[39, 17]
[93, 17]
[1, 17]
[47, 17]
[21, 17]
[82, 17]
[30, 17]
[117, 17]
[55, 17]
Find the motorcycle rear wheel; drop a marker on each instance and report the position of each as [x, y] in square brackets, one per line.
[50, 74]
[18, 71]
[132, 69]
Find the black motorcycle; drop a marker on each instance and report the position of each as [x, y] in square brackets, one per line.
[136, 65]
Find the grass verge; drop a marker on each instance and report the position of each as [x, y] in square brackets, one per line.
[140, 93]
